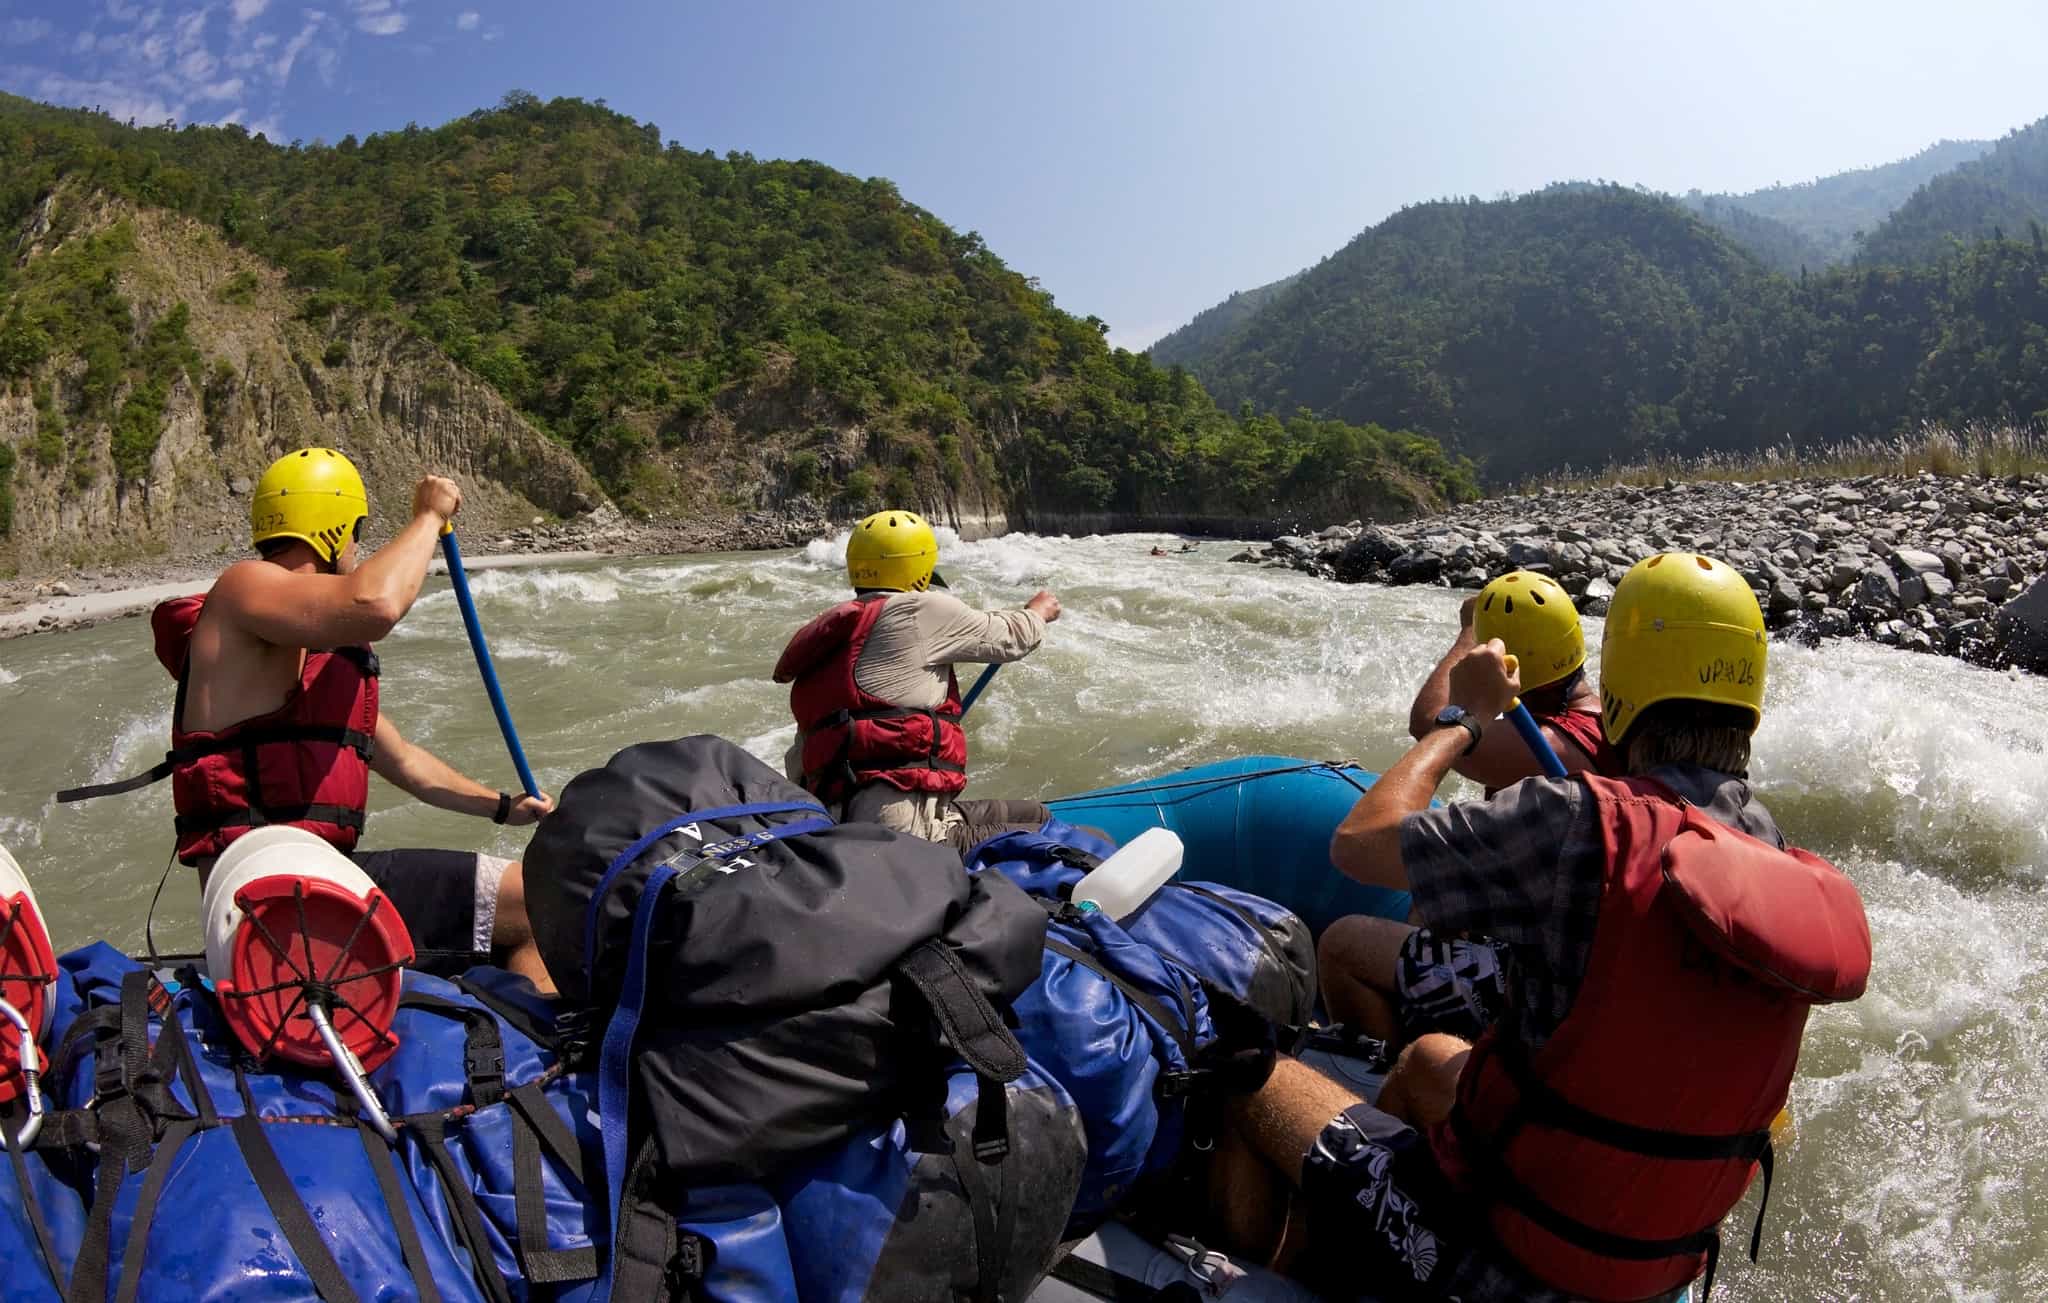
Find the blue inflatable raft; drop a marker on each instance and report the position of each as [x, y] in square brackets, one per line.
[1258, 823]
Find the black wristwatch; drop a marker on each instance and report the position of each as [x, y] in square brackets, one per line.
[505, 806]
[1464, 719]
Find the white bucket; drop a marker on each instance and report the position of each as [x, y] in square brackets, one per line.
[284, 911]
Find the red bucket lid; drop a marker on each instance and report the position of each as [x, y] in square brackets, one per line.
[27, 968]
[297, 930]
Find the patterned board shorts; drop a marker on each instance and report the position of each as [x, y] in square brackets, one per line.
[1360, 1180]
[1451, 985]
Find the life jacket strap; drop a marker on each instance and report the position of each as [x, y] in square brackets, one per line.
[363, 744]
[255, 816]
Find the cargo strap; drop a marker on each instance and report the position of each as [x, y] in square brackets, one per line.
[32, 1206]
[483, 1049]
[1181, 1029]
[290, 1213]
[537, 1128]
[432, 1131]
[268, 735]
[686, 872]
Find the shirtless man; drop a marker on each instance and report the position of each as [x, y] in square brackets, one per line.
[277, 718]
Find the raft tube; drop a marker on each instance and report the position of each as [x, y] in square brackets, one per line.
[1258, 823]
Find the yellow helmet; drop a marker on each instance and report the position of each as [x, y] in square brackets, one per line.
[1681, 627]
[892, 550]
[313, 495]
[1537, 621]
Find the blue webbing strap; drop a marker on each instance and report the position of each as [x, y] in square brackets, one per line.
[614, 1084]
[625, 858]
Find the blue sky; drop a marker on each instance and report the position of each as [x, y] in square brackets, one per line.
[1143, 158]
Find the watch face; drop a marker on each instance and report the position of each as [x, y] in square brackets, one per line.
[1450, 714]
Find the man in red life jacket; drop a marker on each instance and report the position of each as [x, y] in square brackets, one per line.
[277, 718]
[1668, 946]
[1393, 980]
[876, 701]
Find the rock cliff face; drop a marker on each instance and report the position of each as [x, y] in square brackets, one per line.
[271, 376]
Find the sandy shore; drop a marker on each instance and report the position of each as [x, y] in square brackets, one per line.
[86, 609]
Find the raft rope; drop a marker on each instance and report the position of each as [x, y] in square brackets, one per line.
[1339, 768]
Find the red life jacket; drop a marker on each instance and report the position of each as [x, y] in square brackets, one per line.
[306, 764]
[1583, 728]
[1604, 1162]
[852, 737]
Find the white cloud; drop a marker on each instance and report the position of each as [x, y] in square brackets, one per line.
[198, 65]
[270, 127]
[381, 24]
[83, 44]
[281, 68]
[246, 10]
[191, 29]
[24, 31]
[122, 102]
[222, 90]
[467, 20]
[155, 48]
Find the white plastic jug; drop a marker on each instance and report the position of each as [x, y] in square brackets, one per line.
[1121, 884]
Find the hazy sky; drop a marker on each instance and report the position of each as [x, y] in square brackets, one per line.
[1142, 159]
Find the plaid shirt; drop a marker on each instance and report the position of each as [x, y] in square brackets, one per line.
[1527, 867]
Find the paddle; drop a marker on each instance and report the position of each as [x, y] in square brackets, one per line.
[1532, 733]
[967, 702]
[459, 580]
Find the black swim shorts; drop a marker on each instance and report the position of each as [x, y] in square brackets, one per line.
[448, 899]
[1451, 985]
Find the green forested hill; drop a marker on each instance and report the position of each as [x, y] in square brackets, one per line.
[2004, 192]
[1828, 213]
[653, 308]
[1583, 325]
[1212, 325]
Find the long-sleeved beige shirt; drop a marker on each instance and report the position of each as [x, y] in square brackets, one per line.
[915, 641]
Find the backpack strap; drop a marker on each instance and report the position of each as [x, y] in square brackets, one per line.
[614, 1071]
[136, 1248]
[965, 1017]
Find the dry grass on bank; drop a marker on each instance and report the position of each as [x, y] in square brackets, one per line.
[1982, 450]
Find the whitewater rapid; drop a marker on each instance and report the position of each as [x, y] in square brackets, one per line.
[1920, 1110]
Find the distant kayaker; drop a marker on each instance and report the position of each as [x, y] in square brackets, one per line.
[876, 701]
[277, 718]
[1391, 979]
[1667, 949]
[1157, 550]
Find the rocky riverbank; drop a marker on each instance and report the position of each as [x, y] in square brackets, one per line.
[1926, 563]
[77, 598]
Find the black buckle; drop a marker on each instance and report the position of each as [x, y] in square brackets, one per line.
[1180, 1085]
[687, 1267]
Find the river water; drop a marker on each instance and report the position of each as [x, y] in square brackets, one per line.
[1922, 1111]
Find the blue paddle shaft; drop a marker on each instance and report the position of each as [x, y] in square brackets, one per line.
[1539, 745]
[458, 579]
[967, 702]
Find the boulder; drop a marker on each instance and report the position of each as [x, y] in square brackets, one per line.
[1783, 597]
[1529, 556]
[1841, 495]
[2020, 628]
[1367, 555]
[1907, 560]
[1878, 587]
[1939, 587]
[1293, 545]
[1912, 592]
[1415, 566]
